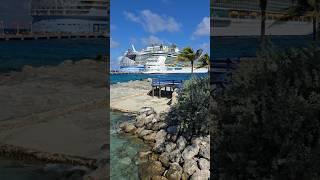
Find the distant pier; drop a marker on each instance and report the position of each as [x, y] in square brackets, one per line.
[158, 84]
[47, 36]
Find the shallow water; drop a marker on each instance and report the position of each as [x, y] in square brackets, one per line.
[20, 170]
[115, 78]
[123, 151]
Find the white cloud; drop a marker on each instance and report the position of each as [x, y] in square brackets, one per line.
[113, 44]
[203, 28]
[132, 17]
[151, 40]
[153, 22]
[205, 47]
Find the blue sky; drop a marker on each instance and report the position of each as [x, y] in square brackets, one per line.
[142, 22]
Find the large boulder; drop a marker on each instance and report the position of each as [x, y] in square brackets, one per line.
[181, 143]
[172, 130]
[127, 127]
[139, 130]
[150, 137]
[190, 166]
[190, 151]
[174, 172]
[161, 135]
[158, 178]
[204, 150]
[159, 146]
[150, 119]
[149, 169]
[175, 156]
[204, 164]
[147, 111]
[140, 120]
[164, 159]
[170, 147]
[201, 175]
[144, 133]
[159, 125]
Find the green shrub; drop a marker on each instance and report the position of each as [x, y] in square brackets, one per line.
[268, 120]
[191, 111]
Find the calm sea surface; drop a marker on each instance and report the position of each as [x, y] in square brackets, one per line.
[15, 54]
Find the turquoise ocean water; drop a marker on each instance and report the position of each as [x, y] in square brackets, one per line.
[15, 54]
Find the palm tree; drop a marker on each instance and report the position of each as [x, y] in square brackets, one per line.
[188, 54]
[205, 61]
[263, 8]
[305, 8]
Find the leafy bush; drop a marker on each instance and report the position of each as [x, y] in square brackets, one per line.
[191, 111]
[268, 120]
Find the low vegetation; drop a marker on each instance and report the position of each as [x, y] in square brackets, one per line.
[191, 111]
[266, 124]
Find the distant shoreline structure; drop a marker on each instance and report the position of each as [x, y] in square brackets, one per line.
[154, 59]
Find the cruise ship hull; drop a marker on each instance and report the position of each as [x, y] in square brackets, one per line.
[251, 27]
[70, 16]
[184, 70]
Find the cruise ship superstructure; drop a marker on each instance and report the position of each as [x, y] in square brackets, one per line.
[242, 18]
[70, 16]
[157, 58]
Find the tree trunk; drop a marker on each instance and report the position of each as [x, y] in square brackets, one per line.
[315, 31]
[263, 26]
[191, 67]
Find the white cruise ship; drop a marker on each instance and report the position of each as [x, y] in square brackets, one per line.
[242, 18]
[70, 16]
[154, 59]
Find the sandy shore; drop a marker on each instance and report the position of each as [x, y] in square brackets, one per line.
[132, 96]
[58, 109]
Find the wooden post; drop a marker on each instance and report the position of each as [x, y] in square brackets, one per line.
[152, 91]
[159, 92]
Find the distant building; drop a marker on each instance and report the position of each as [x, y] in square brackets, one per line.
[70, 16]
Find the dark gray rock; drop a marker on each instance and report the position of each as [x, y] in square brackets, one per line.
[172, 130]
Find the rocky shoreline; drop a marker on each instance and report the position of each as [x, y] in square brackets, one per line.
[173, 156]
[56, 115]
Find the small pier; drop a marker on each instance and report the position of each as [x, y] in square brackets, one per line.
[167, 85]
[47, 36]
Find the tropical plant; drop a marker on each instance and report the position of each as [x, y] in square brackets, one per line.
[204, 61]
[304, 8]
[191, 111]
[187, 54]
[267, 121]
